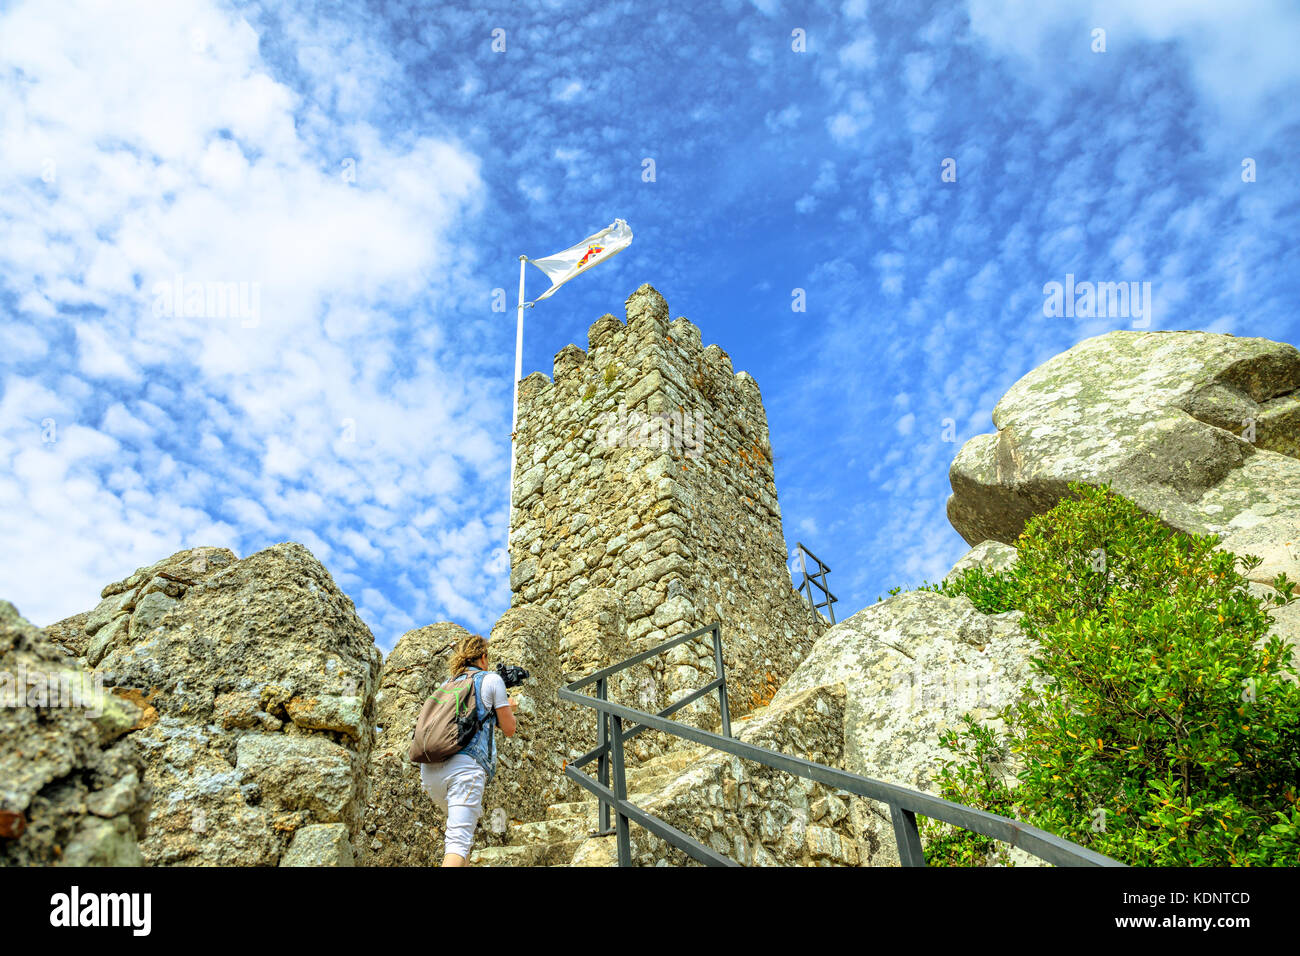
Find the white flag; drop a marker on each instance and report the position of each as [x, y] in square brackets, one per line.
[563, 266]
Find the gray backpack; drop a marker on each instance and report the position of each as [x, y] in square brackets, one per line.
[447, 723]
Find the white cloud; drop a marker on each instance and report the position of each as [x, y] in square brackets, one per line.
[567, 90]
[1241, 54]
[860, 54]
[169, 148]
[785, 119]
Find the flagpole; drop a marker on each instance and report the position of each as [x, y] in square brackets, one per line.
[514, 410]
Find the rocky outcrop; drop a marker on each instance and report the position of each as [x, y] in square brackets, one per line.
[402, 827]
[1201, 430]
[991, 556]
[911, 667]
[71, 788]
[256, 679]
[70, 634]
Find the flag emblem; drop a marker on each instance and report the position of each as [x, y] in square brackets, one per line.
[563, 266]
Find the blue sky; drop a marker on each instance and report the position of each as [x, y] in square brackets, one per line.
[372, 171]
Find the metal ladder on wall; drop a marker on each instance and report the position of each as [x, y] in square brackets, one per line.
[816, 579]
[904, 803]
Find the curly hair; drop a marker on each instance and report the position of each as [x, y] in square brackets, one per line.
[468, 648]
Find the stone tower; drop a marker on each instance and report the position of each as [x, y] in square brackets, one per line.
[644, 467]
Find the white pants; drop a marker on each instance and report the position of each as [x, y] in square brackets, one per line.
[456, 785]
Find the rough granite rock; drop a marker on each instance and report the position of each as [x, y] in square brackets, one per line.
[1199, 429]
[912, 665]
[319, 844]
[992, 556]
[258, 678]
[70, 634]
[402, 827]
[71, 787]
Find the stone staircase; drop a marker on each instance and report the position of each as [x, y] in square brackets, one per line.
[564, 838]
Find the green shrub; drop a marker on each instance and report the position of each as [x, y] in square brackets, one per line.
[1167, 731]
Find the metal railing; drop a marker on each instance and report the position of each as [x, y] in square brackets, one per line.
[818, 578]
[904, 803]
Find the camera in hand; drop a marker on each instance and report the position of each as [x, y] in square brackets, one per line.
[512, 674]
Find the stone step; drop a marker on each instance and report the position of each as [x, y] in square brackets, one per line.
[650, 783]
[545, 832]
[552, 854]
[579, 809]
[674, 763]
[681, 758]
[596, 851]
[639, 781]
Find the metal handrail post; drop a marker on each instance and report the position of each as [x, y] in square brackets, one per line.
[910, 851]
[602, 819]
[830, 605]
[620, 792]
[722, 680]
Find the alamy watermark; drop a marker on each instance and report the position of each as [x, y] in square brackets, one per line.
[183, 298]
[678, 432]
[920, 689]
[62, 688]
[1098, 300]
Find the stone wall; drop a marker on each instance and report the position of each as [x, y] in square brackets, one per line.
[644, 467]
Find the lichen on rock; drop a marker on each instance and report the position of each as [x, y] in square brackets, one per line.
[72, 791]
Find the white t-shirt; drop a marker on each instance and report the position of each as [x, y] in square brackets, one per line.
[494, 691]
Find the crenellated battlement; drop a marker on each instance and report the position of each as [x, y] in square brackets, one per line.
[644, 466]
[652, 365]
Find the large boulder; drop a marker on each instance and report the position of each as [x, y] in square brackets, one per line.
[989, 556]
[911, 667]
[72, 790]
[402, 826]
[257, 680]
[1201, 430]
